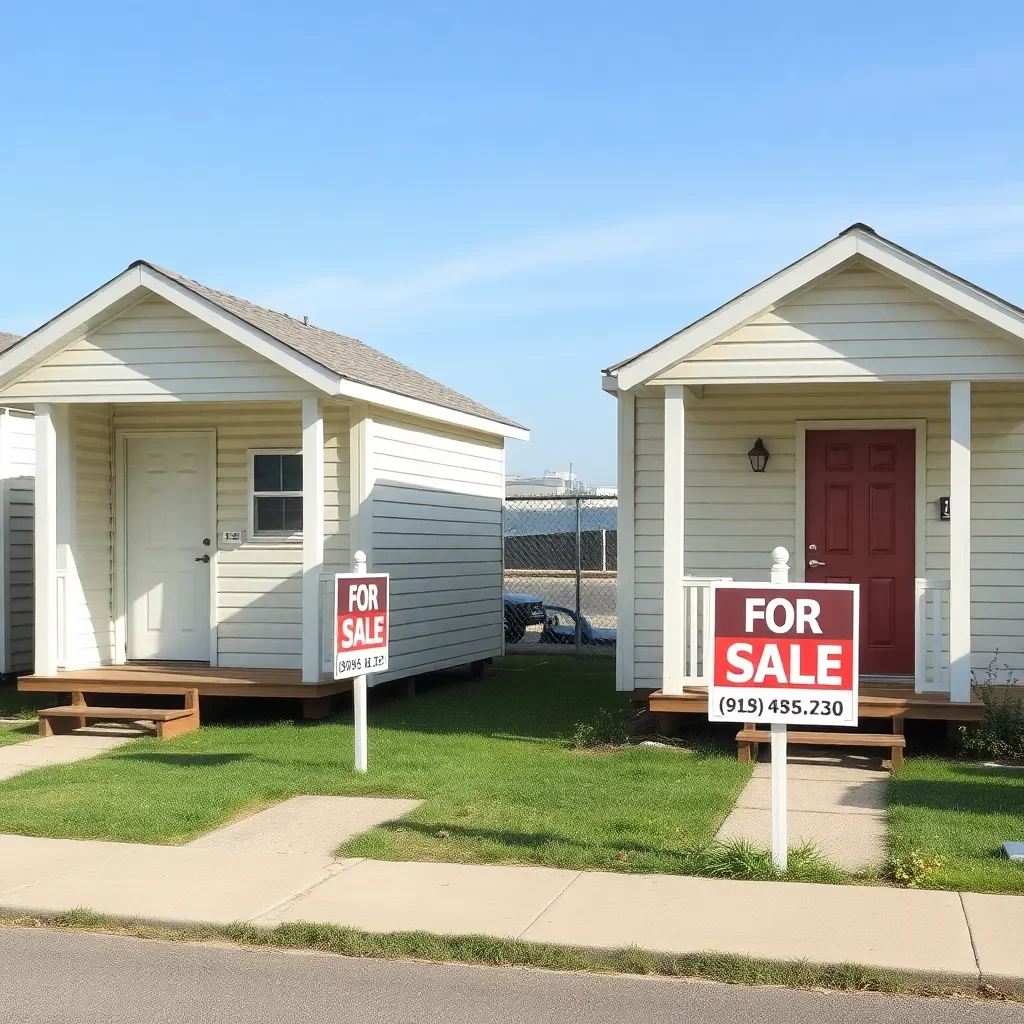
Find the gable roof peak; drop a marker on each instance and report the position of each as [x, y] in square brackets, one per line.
[858, 242]
[858, 226]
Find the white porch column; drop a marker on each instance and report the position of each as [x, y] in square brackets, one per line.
[960, 540]
[46, 542]
[312, 534]
[672, 601]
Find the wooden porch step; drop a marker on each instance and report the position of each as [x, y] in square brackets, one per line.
[168, 721]
[749, 739]
[128, 714]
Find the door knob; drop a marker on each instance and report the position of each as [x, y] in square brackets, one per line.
[814, 563]
[203, 558]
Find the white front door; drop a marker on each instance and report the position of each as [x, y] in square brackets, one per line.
[169, 523]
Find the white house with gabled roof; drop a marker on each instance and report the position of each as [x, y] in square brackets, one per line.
[863, 408]
[204, 466]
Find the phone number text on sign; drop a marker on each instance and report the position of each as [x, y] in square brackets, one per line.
[784, 654]
[360, 665]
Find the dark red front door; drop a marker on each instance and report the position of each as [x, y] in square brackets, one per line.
[860, 527]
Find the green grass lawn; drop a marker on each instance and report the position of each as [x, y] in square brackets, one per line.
[488, 757]
[961, 813]
[21, 706]
[14, 704]
[15, 732]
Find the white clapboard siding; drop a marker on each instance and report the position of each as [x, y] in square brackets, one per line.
[17, 438]
[857, 324]
[90, 607]
[733, 517]
[437, 529]
[259, 584]
[648, 510]
[154, 350]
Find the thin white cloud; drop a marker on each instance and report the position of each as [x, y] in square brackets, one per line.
[988, 228]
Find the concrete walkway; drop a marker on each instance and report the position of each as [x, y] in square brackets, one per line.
[16, 758]
[946, 936]
[836, 802]
[314, 825]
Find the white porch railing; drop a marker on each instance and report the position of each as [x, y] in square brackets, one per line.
[931, 618]
[931, 649]
[697, 653]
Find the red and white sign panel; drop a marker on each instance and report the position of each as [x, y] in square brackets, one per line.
[361, 618]
[785, 653]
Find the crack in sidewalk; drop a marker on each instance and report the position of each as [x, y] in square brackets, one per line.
[970, 934]
[331, 871]
[561, 892]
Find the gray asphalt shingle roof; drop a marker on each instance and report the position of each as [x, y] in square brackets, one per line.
[348, 357]
[7, 340]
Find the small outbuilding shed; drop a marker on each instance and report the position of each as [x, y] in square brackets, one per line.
[205, 465]
[863, 408]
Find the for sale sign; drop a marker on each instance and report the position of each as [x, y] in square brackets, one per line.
[361, 617]
[784, 653]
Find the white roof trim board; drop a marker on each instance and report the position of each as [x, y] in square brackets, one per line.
[332, 363]
[857, 241]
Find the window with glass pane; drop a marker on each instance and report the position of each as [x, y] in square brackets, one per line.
[276, 493]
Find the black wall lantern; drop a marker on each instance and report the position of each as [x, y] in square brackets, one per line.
[758, 456]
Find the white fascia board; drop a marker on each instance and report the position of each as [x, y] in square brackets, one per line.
[428, 410]
[609, 383]
[942, 285]
[238, 330]
[25, 353]
[736, 313]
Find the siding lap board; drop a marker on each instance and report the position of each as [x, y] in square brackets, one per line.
[90, 610]
[19, 462]
[259, 600]
[733, 518]
[856, 323]
[437, 528]
[155, 350]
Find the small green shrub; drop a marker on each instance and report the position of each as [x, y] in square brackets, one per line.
[608, 727]
[912, 869]
[1001, 733]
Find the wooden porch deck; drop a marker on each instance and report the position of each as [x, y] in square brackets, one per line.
[890, 699]
[210, 682]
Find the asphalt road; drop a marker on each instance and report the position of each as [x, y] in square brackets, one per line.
[54, 977]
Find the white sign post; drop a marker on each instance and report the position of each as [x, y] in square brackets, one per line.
[785, 654]
[361, 633]
[780, 746]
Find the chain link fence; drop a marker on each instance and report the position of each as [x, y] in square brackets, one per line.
[561, 555]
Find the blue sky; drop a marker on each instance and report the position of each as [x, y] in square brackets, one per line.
[507, 197]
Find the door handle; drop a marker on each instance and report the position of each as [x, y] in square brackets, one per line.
[814, 563]
[203, 558]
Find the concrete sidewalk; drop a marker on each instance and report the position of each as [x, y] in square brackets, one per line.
[945, 936]
[16, 758]
[836, 803]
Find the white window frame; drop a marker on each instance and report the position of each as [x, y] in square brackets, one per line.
[283, 536]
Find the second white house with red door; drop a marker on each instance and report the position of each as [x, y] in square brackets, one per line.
[863, 408]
